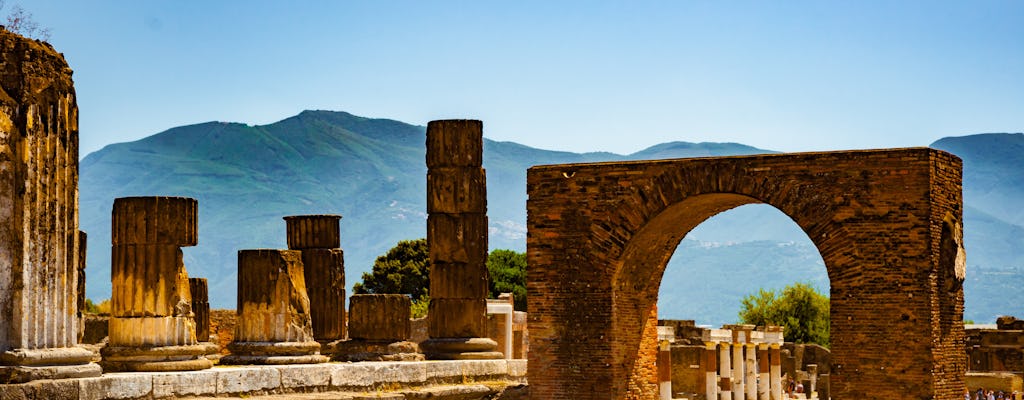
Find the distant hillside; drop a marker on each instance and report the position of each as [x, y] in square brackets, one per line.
[372, 172]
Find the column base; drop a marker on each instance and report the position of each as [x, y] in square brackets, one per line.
[24, 365]
[461, 349]
[273, 353]
[370, 350]
[155, 359]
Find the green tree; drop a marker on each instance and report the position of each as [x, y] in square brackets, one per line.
[508, 275]
[799, 308]
[404, 269]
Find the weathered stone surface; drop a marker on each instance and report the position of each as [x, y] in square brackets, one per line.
[458, 317]
[80, 291]
[247, 380]
[456, 190]
[459, 280]
[305, 377]
[455, 143]
[324, 271]
[457, 238]
[372, 350]
[149, 280]
[380, 317]
[884, 221]
[272, 301]
[39, 241]
[122, 386]
[152, 331]
[313, 232]
[155, 220]
[189, 383]
[199, 290]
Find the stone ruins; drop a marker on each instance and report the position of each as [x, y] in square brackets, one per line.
[886, 222]
[996, 355]
[39, 240]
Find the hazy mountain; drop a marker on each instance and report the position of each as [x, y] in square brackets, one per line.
[372, 172]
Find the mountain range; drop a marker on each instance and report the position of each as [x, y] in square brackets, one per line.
[372, 172]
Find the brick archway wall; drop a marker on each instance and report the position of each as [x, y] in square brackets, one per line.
[886, 222]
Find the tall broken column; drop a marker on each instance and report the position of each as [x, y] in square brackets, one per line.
[274, 325]
[318, 237]
[152, 327]
[39, 246]
[457, 238]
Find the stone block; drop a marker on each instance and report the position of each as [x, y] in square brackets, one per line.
[455, 143]
[61, 389]
[118, 386]
[313, 232]
[382, 317]
[155, 220]
[371, 374]
[306, 377]
[444, 371]
[149, 280]
[485, 369]
[456, 190]
[457, 318]
[324, 271]
[272, 301]
[458, 280]
[247, 380]
[517, 368]
[457, 238]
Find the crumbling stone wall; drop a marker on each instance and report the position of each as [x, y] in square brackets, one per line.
[886, 222]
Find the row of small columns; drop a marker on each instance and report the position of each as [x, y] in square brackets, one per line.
[743, 364]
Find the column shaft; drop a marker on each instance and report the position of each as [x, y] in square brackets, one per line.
[724, 371]
[763, 383]
[775, 360]
[750, 367]
[710, 371]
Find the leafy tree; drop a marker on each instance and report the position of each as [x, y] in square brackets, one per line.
[508, 275]
[799, 308]
[404, 269]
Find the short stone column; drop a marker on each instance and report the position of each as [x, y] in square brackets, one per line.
[457, 238]
[379, 330]
[198, 288]
[763, 383]
[724, 372]
[750, 366]
[39, 248]
[318, 237]
[274, 325]
[710, 371]
[775, 369]
[151, 323]
[738, 375]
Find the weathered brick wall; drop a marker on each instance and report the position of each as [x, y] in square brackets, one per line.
[600, 236]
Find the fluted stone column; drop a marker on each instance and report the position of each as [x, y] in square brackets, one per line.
[152, 327]
[39, 247]
[318, 237]
[199, 289]
[80, 292]
[379, 330]
[274, 325]
[457, 238]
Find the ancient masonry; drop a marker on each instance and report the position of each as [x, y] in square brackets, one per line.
[151, 324]
[457, 238]
[39, 248]
[318, 237]
[200, 292]
[379, 330]
[274, 325]
[886, 222]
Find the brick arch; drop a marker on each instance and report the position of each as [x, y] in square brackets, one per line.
[600, 236]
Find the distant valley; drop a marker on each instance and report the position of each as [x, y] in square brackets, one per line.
[372, 172]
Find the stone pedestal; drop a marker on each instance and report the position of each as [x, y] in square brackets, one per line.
[318, 238]
[379, 330]
[39, 241]
[457, 238]
[274, 325]
[151, 325]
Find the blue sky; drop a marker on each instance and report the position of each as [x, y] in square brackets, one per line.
[566, 75]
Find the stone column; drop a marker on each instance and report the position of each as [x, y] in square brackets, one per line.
[151, 321]
[38, 215]
[318, 237]
[380, 329]
[198, 288]
[775, 369]
[457, 238]
[750, 365]
[725, 372]
[710, 371]
[274, 325]
[763, 384]
[738, 388]
[812, 374]
[82, 251]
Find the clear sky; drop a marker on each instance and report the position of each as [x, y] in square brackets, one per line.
[565, 75]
